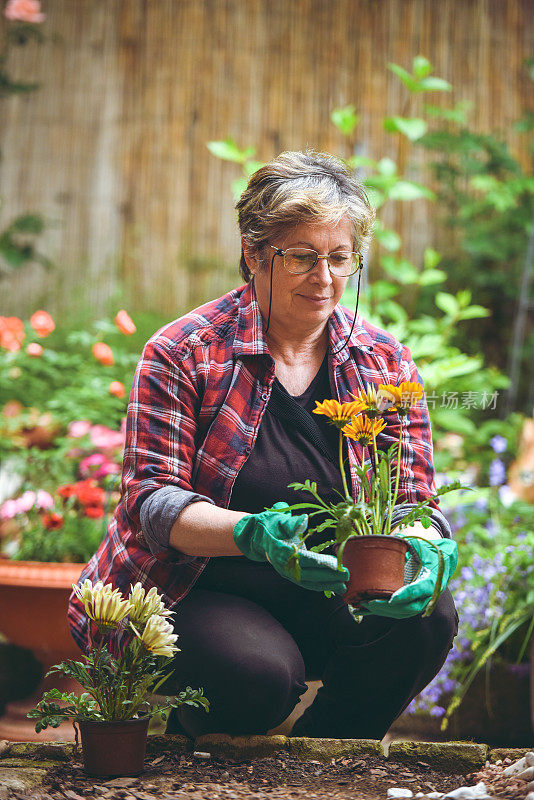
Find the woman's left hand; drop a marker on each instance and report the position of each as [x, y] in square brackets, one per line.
[413, 598]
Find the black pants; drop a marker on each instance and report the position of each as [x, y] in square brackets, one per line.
[251, 639]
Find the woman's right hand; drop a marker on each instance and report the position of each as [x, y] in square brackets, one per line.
[273, 536]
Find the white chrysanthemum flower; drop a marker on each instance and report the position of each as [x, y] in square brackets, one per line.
[158, 637]
[103, 604]
[145, 605]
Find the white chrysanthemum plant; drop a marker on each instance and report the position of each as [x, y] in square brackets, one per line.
[132, 646]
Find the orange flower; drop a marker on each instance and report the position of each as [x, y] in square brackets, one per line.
[339, 414]
[103, 353]
[53, 521]
[95, 512]
[116, 388]
[125, 323]
[42, 323]
[403, 396]
[11, 333]
[90, 495]
[34, 349]
[364, 430]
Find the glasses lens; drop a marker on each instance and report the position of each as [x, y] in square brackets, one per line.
[298, 259]
[343, 263]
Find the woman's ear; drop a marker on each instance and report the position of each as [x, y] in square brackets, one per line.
[251, 256]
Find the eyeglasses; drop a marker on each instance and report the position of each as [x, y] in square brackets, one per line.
[299, 260]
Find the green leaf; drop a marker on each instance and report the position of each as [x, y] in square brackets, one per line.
[407, 190]
[421, 67]
[345, 119]
[238, 187]
[408, 80]
[433, 84]
[387, 238]
[250, 167]
[413, 128]
[387, 167]
[431, 258]
[400, 269]
[457, 114]
[229, 151]
[431, 276]
[447, 303]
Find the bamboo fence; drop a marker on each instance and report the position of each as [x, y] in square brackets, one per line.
[112, 147]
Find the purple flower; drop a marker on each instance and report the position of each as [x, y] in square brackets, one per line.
[437, 711]
[497, 472]
[498, 444]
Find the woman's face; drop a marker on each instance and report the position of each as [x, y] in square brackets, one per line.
[301, 303]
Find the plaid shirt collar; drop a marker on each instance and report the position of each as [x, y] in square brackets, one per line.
[250, 339]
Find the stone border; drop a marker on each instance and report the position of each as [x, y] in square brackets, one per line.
[23, 765]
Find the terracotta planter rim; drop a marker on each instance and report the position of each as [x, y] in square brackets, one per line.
[46, 574]
[109, 722]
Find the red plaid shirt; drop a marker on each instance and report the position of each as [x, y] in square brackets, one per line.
[197, 400]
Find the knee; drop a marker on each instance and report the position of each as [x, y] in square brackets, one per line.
[439, 629]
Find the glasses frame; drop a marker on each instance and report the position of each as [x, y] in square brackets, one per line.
[319, 257]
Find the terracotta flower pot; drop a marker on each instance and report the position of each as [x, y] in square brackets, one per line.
[376, 566]
[114, 748]
[33, 598]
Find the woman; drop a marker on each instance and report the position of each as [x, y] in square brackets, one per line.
[218, 425]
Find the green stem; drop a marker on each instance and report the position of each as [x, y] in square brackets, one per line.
[341, 466]
[397, 477]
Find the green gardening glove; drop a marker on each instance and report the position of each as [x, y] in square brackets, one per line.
[274, 536]
[413, 598]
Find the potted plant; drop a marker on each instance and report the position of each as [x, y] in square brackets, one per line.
[128, 660]
[363, 538]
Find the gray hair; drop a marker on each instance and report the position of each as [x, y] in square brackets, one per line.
[298, 187]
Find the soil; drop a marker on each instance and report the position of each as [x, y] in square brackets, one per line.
[187, 776]
[174, 777]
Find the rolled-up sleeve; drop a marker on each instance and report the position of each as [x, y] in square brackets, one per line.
[160, 511]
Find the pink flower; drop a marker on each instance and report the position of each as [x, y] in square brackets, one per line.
[26, 501]
[79, 428]
[9, 509]
[44, 499]
[98, 466]
[125, 323]
[89, 463]
[34, 349]
[106, 438]
[24, 11]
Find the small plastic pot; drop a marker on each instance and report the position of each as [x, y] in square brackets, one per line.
[376, 566]
[114, 749]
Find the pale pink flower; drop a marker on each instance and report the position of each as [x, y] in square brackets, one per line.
[44, 499]
[79, 428]
[34, 349]
[9, 509]
[24, 11]
[27, 501]
[106, 438]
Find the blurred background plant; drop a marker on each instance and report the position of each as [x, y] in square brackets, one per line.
[61, 463]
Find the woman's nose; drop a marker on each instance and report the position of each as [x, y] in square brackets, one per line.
[321, 271]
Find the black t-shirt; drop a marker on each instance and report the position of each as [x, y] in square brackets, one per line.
[285, 452]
